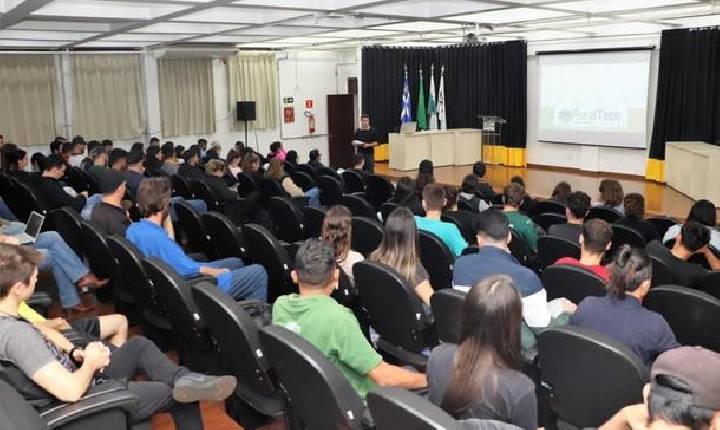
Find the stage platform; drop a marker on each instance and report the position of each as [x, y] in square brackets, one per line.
[540, 181]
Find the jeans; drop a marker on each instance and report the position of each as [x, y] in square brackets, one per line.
[197, 204]
[155, 395]
[314, 195]
[242, 282]
[90, 203]
[66, 266]
[369, 165]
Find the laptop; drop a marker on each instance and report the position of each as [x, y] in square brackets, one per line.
[408, 127]
[32, 229]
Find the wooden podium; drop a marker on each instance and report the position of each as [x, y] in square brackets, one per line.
[456, 147]
[692, 168]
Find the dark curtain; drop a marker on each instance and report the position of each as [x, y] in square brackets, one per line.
[688, 91]
[488, 79]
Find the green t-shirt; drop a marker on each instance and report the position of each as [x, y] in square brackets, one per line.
[524, 226]
[332, 329]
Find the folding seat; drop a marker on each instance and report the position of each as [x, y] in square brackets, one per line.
[287, 219]
[519, 248]
[67, 223]
[446, 305]
[662, 224]
[464, 221]
[257, 399]
[437, 259]
[270, 188]
[246, 184]
[623, 235]
[202, 191]
[693, 316]
[709, 284]
[354, 182]
[588, 377]
[396, 313]
[358, 206]
[327, 171]
[545, 206]
[194, 348]
[76, 179]
[237, 210]
[386, 209]
[463, 205]
[181, 187]
[226, 239]
[661, 274]
[25, 200]
[551, 248]
[378, 190]
[193, 232]
[331, 190]
[313, 221]
[266, 250]
[367, 234]
[303, 180]
[547, 219]
[572, 282]
[305, 168]
[605, 213]
[321, 396]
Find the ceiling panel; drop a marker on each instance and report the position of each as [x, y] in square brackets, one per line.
[241, 15]
[108, 9]
[340, 21]
[228, 39]
[629, 28]
[110, 44]
[594, 6]
[6, 5]
[421, 26]
[308, 40]
[307, 4]
[186, 28]
[62, 25]
[368, 34]
[429, 9]
[670, 12]
[44, 35]
[697, 21]
[561, 23]
[144, 37]
[279, 31]
[31, 44]
[510, 15]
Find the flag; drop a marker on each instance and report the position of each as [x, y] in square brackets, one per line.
[421, 115]
[442, 114]
[432, 113]
[405, 115]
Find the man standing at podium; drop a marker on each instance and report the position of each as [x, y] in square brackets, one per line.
[368, 135]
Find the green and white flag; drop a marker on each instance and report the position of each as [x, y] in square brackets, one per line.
[421, 115]
[442, 113]
[431, 110]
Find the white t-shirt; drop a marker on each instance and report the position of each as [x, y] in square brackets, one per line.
[349, 261]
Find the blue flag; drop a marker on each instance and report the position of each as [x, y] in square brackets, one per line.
[405, 112]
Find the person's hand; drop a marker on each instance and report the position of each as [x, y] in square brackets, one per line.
[96, 355]
[9, 240]
[567, 306]
[705, 250]
[212, 271]
[84, 194]
[78, 355]
[59, 323]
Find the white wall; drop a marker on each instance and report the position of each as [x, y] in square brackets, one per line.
[590, 158]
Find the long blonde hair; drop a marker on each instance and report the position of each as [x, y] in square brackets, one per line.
[399, 247]
[275, 169]
[337, 230]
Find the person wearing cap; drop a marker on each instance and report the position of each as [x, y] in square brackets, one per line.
[100, 161]
[117, 160]
[135, 172]
[109, 215]
[684, 392]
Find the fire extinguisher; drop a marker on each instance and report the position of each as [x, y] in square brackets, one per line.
[311, 122]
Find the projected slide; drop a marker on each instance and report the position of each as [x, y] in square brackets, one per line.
[595, 99]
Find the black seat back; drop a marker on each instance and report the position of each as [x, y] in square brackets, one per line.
[662, 224]
[547, 219]
[226, 239]
[550, 249]
[437, 259]
[328, 171]
[25, 201]
[358, 206]
[181, 187]
[270, 188]
[246, 184]
[464, 221]
[623, 235]
[354, 182]
[590, 377]
[202, 191]
[446, 305]
[68, 224]
[661, 274]
[709, 284]
[303, 180]
[321, 396]
[386, 209]
[518, 247]
[550, 206]
[605, 213]
[101, 261]
[237, 210]
[16, 413]
[287, 219]
[191, 228]
[331, 190]
[693, 316]
[76, 179]
[397, 408]
[305, 168]
[367, 234]
[378, 190]
[313, 219]
[572, 282]
[463, 205]
[267, 251]
[174, 293]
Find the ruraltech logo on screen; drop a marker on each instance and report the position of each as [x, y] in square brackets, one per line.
[589, 118]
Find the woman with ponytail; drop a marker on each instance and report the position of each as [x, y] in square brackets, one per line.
[480, 377]
[620, 314]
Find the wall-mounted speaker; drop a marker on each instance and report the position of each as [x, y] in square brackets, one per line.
[246, 111]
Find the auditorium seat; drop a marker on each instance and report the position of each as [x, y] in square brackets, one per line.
[192, 231]
[662, 224]
[551, 248]
[607, 214]
[693, 315]
[77, 180]
[547, 219]
[396, 313]
[378, 190]
[397, 408]
[237, 210]
[246, 184]
[68, 224]
[181, 187]
[266, 250]
[572, 282]
[437, 259]
[308, 170]
[302, 180]
[386, 209]
[270, 188]
[446, 305]
[321, 396]
[464, 220]
[709, 284]
[202, 191]
[367, 234]
[358, 206]
[313, 221]
[519, 248]
[287, 219]
[550, 206]
[623, 235]
[257, 399]
[331, 190]
[226, 239]
[354, 182]
[588, 377]
[661, 274]
[328, 171]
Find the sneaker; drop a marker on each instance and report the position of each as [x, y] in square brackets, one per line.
[196, 386]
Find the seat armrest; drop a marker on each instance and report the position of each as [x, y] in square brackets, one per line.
[202, 278]
[40, 301]
[103, 398]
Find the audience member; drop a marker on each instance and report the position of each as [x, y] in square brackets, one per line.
[611, 194]
[154, 237]
[66, 374]
[702, 212]
[239, 146]
[292, 158]
[620, 314]
[153, 162]
[494, 258]
[399, 250]
[78, 152]
[368, 135]
[634, 209]
[277, 151]
[107, 144]
[528, 205]
[135, 172]
[469, 193]
[87, 162]
[109, 215]
[233, 163]
[100, 162]
[465, 220]
[179, 151]
[406, 196]
[358, 165]
[425, 176]
[560, 192]
[213, 153]
[524, 226]
[595, 239]
[36, 162]
[51, 189]
[202, 148]
[170, 164]
[190, 169]
[251, 164]
[337, 232]
[138, 147]
[315, 160]
[576, 208]
[693, 239]
[215, 174]
[484, 190]
[481, 377]
[277, 173]
[433, 201]
[66, 150]
[117, 160]
[331, 327]
[154, 141]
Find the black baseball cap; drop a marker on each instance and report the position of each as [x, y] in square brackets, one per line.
[110, 180]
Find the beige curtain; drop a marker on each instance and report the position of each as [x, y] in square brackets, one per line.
[27, 99]
[186, 97]
[108, 97]
[253, 77]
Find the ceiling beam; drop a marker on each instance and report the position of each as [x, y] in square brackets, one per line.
[20, 12]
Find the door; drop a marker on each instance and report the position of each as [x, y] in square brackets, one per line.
[341, 127]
